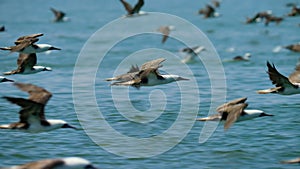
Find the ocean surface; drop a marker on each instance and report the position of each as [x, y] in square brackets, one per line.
[153, 127]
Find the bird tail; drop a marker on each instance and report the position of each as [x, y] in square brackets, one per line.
[267, 91]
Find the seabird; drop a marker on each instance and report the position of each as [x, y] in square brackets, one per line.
[191, 53]
[59, 163]
[292, 161]
[27, 65]
[59, 15]
[293, 47]
[147, 75]
[208, 12]
[234, 111]
[32, 115]
[4, 79]
[246, 57]
[295, 11]
[270, 18]
[26, 44]
[135, 10]
[284, 85]
[258, 17]
[2, 28]
[165, 30]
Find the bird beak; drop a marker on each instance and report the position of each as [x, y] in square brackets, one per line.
[181, 78]
[265, 114]
[54, 48]
[7, 80]
[68, 126]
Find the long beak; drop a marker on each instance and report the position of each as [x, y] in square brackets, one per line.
[68, 126]
[54, 48]
[7, 80]
[265, 114]
[181, 78]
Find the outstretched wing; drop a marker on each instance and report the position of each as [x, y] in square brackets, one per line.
[153, 64]
[28, 37]
[137, 7]
[36, 94]
[29, 109]
[127, 6]
[295, 76]
[278, 79]
[26, 61]
[233, 114]
[58, 14]
[224, 107]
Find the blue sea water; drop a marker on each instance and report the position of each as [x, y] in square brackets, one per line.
[151, 111]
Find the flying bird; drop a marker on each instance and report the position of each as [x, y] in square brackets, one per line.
[59, 163]
[191, 53]
[293, 47]
[284, 85]
[246, 57]
[135, 10]
[147, 75]
[59, 15]
[26, 44]
[4, 79]
[165, 30]
[233, 111]
[32, 115]
[208, 12]
[27, 65]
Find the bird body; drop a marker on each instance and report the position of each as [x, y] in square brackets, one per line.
[284, 85]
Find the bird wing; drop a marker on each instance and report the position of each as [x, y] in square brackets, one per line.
[58, 14]
[36, 94]
[224, 107]
[29, 109]
[127, 6]
[278, 79]
[26, 61]
[28, 37]
[295, 76]
[153, 64]
[165, 31]
[137, 7]
[233, 114]
[42, 164]
[133, 69]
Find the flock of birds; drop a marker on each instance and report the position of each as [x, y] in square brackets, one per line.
[32, 116]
